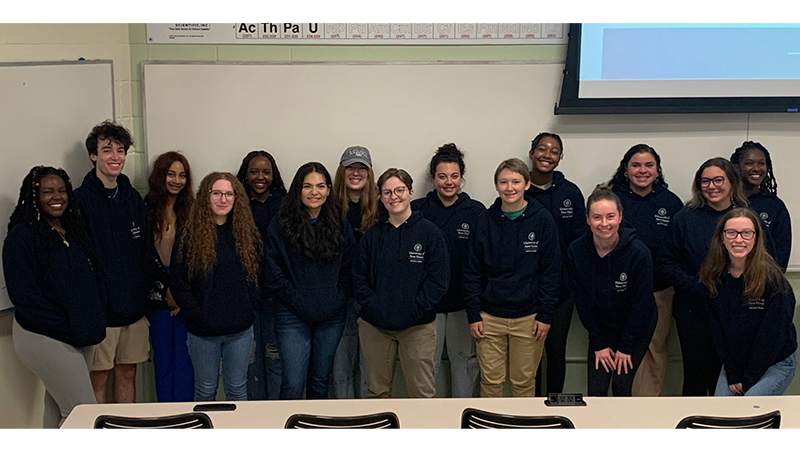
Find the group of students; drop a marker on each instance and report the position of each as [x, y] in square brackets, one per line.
[298, 291]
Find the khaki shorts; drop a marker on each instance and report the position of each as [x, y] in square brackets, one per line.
[123, 345]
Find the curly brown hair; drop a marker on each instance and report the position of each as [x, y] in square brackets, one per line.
[198, 242]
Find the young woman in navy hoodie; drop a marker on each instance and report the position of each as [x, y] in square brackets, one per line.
[309, 248]
[761, 189]
[455, 213]
[261, 179]
[611, 275]
[716, 189]
[751, 307]
[400, 274]
[649, 206]
[511, 283]
[214, 281]
[564, 201]
[51, 277]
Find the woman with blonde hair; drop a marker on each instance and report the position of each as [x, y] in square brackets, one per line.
[751, 307]
[215, 283]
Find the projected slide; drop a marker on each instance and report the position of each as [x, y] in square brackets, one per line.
[689, 60]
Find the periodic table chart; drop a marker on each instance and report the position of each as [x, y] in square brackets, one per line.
[358, 33]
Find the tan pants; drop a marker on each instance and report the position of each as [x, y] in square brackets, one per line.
[416, 348]
[511, 341]
[649, 380]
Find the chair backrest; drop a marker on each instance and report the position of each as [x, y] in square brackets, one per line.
[381, 420]
[478, 419]
[192, 420]
[771, 420]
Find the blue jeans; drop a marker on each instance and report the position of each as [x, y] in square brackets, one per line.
[174, 376]
[264, 371]
[775, 380]
[306, 354]
[206, 352]
[348, 362]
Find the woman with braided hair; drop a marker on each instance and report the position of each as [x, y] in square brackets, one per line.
[761, 189]
[50, 273]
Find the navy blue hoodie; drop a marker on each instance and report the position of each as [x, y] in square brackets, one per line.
[614, 294]
[123, 244]
[564, 201]
[313, 290]
[456, 221]
[650, 215]
[401, 273]
[263, 213]
[751, 337]
[513, 267]
[773, 213]
[59, 299]
[221, 303]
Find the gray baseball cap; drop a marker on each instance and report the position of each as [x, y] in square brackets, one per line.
[355, 154]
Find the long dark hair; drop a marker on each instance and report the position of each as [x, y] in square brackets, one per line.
[156, 198]
[770, 184]
[620, 178]
[29, 212]
[325, 239]
[277, 182]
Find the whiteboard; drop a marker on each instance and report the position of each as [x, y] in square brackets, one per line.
[216, 112]
[46, 111]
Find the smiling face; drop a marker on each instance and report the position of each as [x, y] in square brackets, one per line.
[642, 172]
[717, 187]
[604, 218]
[355, 177]
[259, 177]
[109, 160]
[222, 199]
[314, 193]
[447, 180]
[52, 196]
[511, 187]
[753, 166]
[176, 178]
[546, 156]
[738, 247]
[396, 204]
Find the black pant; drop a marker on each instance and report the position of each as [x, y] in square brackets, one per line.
[598, 379]
[555, 347]
[701, 364]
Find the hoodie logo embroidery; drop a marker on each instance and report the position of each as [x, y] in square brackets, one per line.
[531, 245]
[764, 216]
[621, 284]
[566, 210]
[135, 231]
[416, 255]
[756, 305]
[662, 219]
[463, 232]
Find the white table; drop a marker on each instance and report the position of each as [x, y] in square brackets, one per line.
[664, 412]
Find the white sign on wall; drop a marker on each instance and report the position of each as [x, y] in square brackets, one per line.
[358, 33]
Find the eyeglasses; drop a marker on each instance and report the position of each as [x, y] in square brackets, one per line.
[398, 191]
[705, 182]
[217, 195]
[746, 234]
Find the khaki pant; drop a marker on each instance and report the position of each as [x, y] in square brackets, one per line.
[416, 348]
[508, 340]
[649, 379]
[124, 345]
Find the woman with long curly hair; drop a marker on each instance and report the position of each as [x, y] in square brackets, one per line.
[214, 281]
[168, 204]
[51, 277]
[649, 206]
[261, 178]
[309, 251]
[355, 191]
[751, 307]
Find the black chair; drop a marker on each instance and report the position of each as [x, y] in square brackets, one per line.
[478, 419]
[191, 420]
[383, 420]
[771, 420]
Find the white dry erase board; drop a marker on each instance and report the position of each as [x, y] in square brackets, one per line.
[216, 112]
[46, 111]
